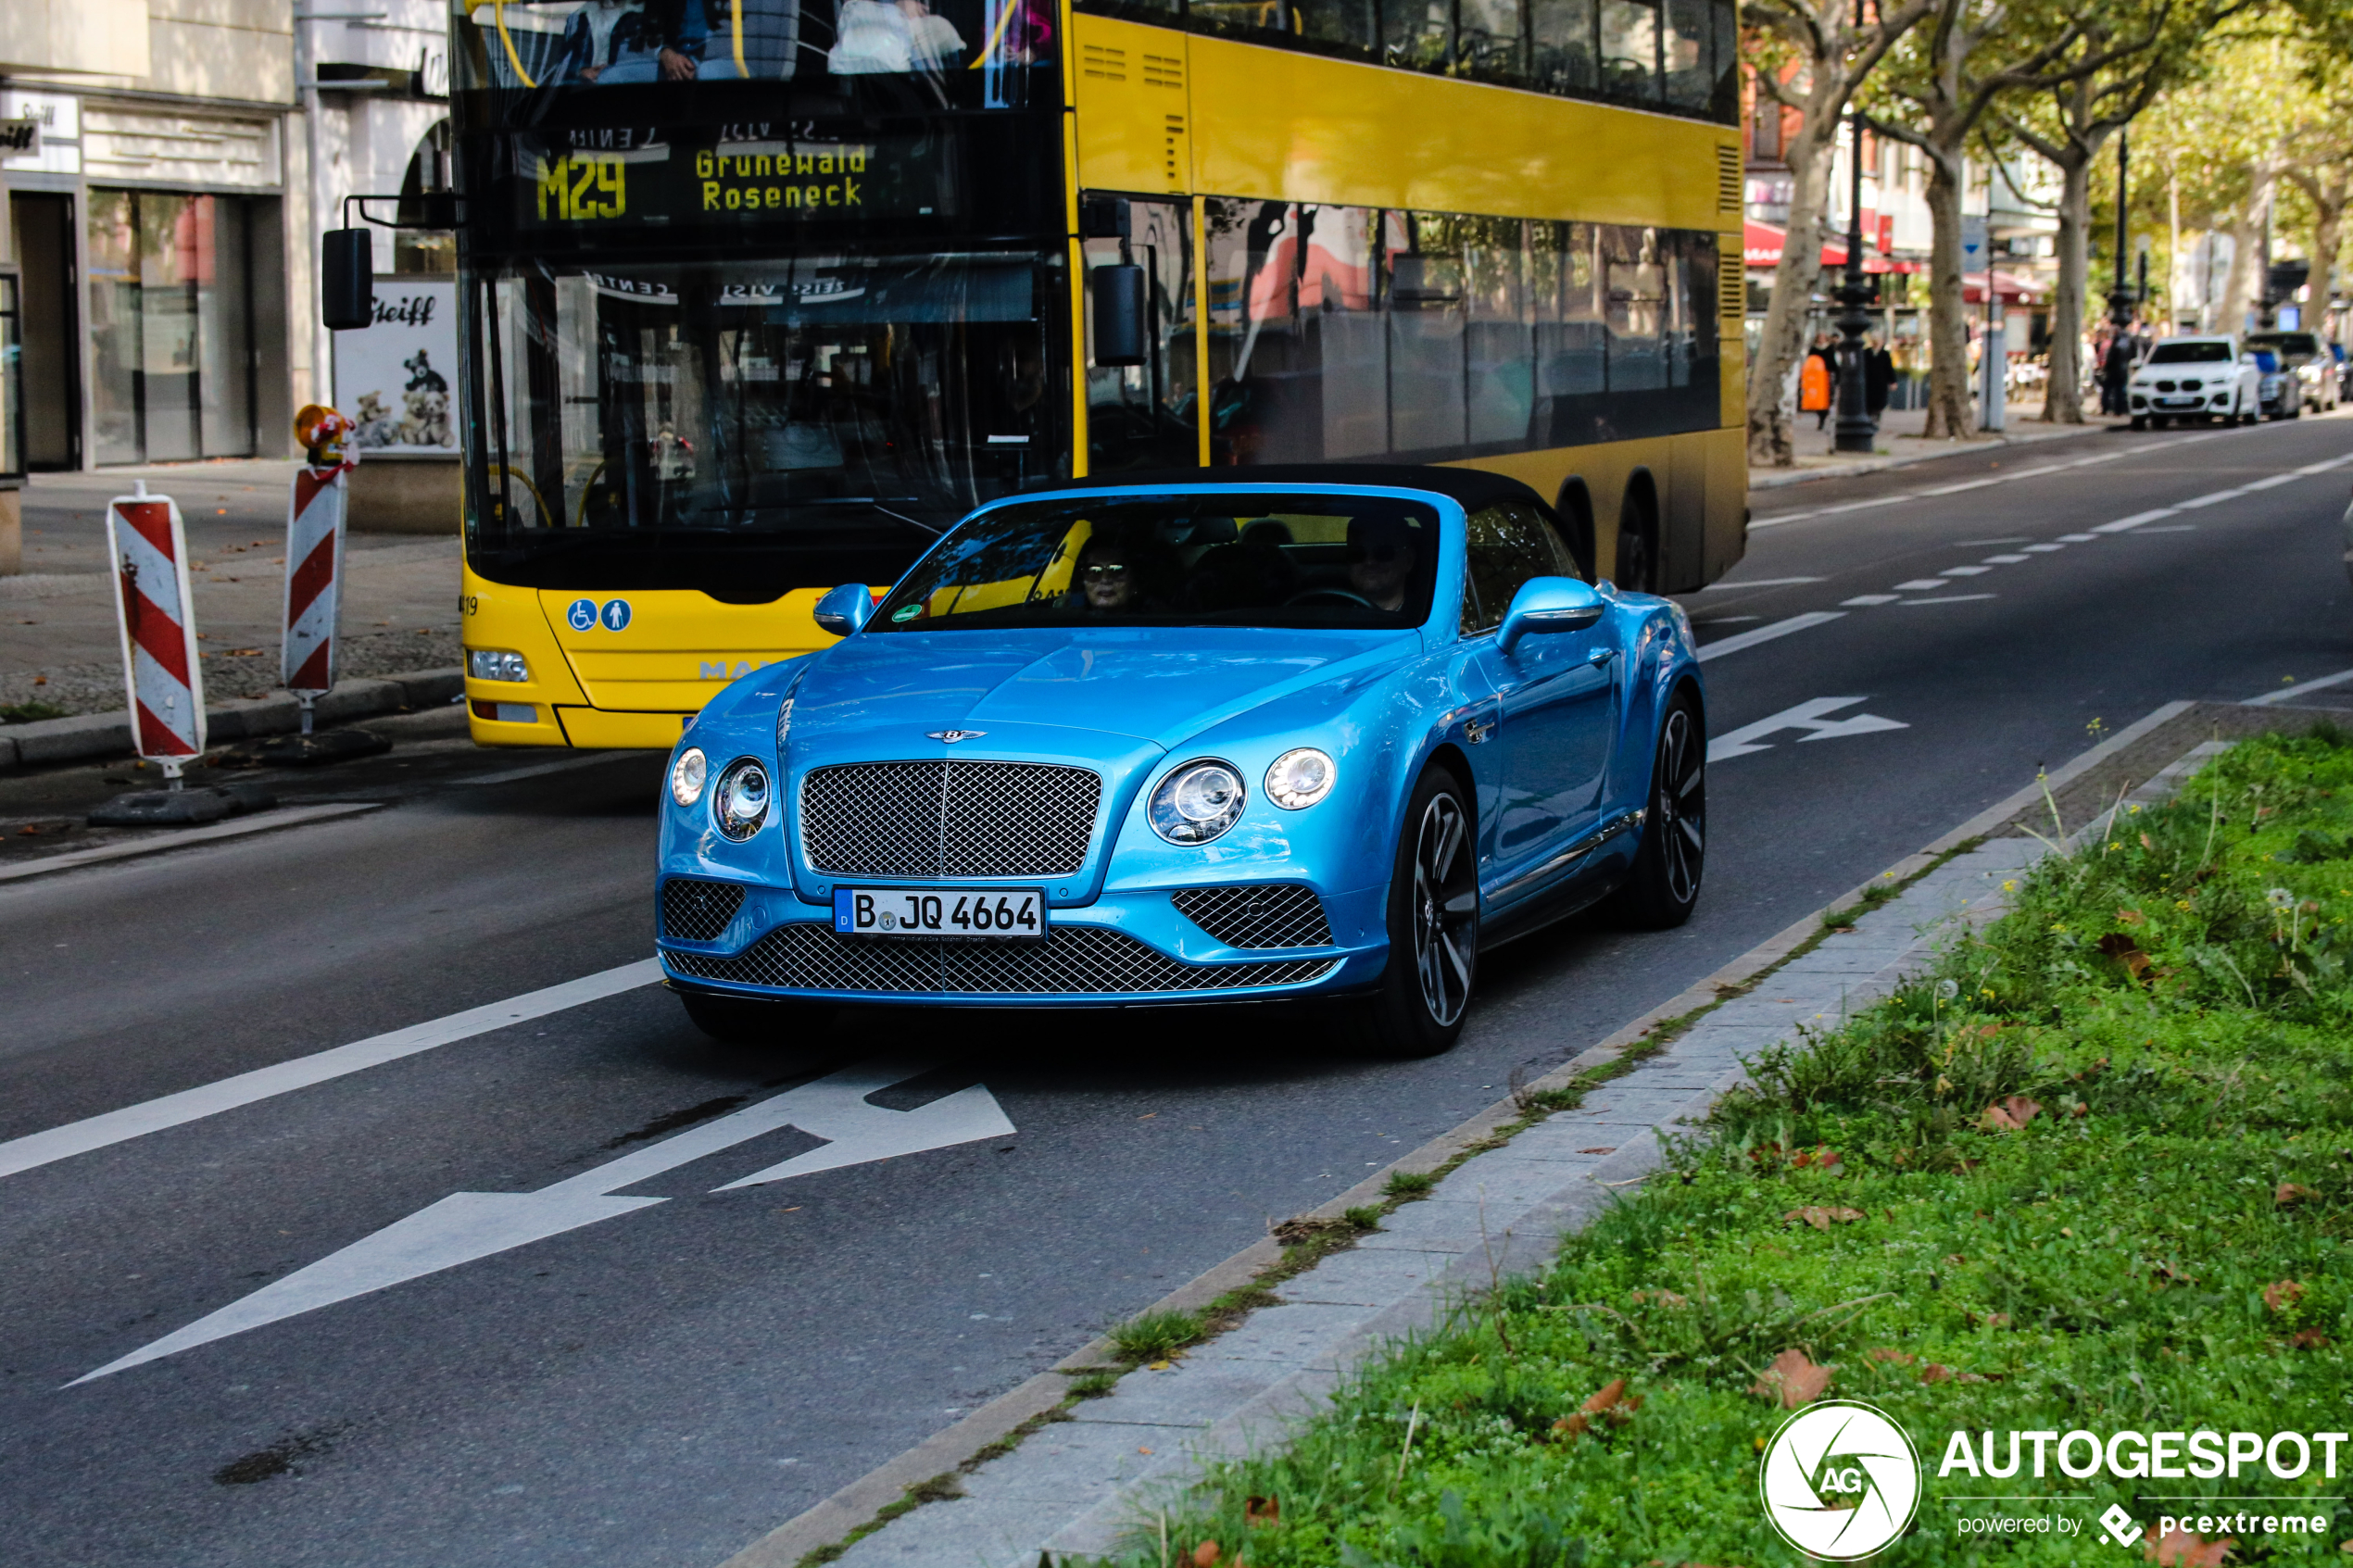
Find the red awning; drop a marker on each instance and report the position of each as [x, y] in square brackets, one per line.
[1761, 246]
[2014, 290]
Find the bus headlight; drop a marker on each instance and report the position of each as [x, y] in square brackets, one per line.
[740, 804]
[1197, 802]
[686, 775]
[497, 664]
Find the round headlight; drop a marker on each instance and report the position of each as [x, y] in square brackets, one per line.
[740, 803]
[1300, 778]
[1197, 802]
[687, 776]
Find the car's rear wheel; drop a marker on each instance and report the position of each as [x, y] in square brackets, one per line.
[2161, 421]
[742, 1021]
[1433, 927]
[2140, 421]
[1672, 856]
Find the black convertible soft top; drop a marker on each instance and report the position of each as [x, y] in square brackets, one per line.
[1472, 488]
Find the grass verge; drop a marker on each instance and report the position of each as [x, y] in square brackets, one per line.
[2094, 1171]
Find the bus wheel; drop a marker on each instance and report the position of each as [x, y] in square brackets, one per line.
[1637, 544]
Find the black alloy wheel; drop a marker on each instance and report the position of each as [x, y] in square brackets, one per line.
[1433, 927]
[1672, 858]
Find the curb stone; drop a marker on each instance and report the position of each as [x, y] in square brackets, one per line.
[1778, 479]
[824, 1527]
[92, 735]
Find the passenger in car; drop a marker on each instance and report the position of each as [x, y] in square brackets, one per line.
[1382, 554]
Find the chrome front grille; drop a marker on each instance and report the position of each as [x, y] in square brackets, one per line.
[947, 819]
[1257, 917]
[695, 910]
[1072, 960]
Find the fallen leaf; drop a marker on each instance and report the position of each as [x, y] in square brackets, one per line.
[1611, 1392]
[1794, 1379]
[1261, 1510]
[1597, 1151]
[1935, 1373]
[1996, 1319]
[2009, 1115]
[1899, 1358]
[2291, 1192]
[1661, 1297]
[1572, 1426]
[2307, 1339]
[1156, 1366]
[2186, 1548]
[1821, 1219]
[2130, 917]
[2080, 1110]
[2281, 1294]
[1205, 1554]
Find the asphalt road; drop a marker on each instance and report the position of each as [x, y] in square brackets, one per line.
[661, 1386]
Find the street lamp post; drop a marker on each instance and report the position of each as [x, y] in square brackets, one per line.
[2119, 298]
[1857, 430]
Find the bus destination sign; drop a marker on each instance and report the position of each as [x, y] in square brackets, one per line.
[753, 174]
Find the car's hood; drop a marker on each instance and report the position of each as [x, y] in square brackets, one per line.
[1155, 685]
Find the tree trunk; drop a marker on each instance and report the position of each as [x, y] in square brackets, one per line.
[1782, 344]
[2247, 240]
[1948, 388]
[2328, 234]
[2063, 394]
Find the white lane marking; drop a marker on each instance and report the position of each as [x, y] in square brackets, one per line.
[1934, 490]
[2208, 500]
[1766, 633]
[468, 1225]
[1728, 620]
[2269, 481]
[540, 769]
[2079, 538]
[2298, 689]
[1921, 586]
[2324, 466]
[235, 827]
[1862, 600]
[2008, 560]
[1811, 717]
[264, 1083]
[2045, 549]
[1759, 582]
[2168, 528]
[1952, 600]
[1964, 571]
[2126, 524]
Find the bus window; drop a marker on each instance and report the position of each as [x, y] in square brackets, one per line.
[1637, 309]
[1500, 390]
[1341, 329]
[1417, 34]
[1571, 312]
[1490, 45]
[1426, 370]
[1691, 76]
[1564, 34]
[1630, 50]
[1353, 26]
[1142, 416]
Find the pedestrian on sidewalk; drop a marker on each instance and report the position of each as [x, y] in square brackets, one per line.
[1878, 377]
[1814, 383]
[2116, 369]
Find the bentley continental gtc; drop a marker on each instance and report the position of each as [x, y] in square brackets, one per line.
[1324, 734]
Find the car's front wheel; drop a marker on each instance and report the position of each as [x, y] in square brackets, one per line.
[1672, 855]
[1433, 927]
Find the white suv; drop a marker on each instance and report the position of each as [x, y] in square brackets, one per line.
[2196, 378]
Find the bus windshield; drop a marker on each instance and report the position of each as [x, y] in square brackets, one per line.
[746, 427]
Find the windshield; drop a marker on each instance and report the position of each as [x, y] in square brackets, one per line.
[749, 427]
[2190, 354]
[1267, 559]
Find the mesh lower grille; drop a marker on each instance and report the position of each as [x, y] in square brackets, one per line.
[1257, 917]
[695, 910]
[1072, 960]
[947, 819]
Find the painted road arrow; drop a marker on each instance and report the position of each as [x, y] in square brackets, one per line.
[1812, 717]
[467, 1225]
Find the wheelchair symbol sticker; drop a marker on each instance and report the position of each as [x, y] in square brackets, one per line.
[616, 614]
[582, 615]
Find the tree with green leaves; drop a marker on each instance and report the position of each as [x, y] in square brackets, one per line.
[1810, 56]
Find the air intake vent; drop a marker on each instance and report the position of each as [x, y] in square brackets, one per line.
[1728, 179]
[1732, 283]
[695, 910]
[1106, 64]
[1072, 960]
[1163, 71]
[1257, 917]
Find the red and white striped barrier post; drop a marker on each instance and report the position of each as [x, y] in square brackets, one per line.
[161, 673]
[315, 516]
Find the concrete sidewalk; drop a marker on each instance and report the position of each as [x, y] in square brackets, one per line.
[58, 639]
[1900, 445]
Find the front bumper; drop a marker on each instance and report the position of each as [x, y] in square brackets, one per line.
[1134, 947]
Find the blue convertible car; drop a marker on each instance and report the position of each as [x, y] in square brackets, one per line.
[1319, 732]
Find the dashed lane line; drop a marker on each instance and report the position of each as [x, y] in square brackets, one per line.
[36, 1149]
[1766, 633]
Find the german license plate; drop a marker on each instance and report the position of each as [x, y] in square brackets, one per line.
[1014, 914]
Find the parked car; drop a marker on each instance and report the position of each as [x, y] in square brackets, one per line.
[2195, 378]
[2310, 360]
[2280, 395]
[1324, 732]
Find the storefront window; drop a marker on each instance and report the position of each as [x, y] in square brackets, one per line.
[170, 326]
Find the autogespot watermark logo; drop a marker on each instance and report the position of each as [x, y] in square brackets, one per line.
[1840, 1480]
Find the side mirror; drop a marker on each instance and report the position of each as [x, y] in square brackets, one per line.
[1549, 604]
[844, 609]
[1118, 294]
[347, 280]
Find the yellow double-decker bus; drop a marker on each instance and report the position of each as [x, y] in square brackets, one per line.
[758, 297]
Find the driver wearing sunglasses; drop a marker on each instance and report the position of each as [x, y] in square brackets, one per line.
[1381, 557]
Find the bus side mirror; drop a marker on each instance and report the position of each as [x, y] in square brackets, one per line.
[1118, 293]
[347, 280]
